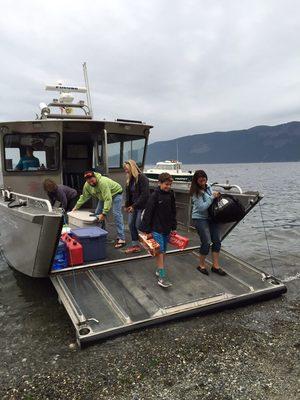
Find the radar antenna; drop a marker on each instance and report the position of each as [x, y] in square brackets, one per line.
[65, 101]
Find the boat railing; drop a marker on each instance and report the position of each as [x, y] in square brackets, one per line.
[46, 114]
[5, 193]
[14, 196]
[227, 186]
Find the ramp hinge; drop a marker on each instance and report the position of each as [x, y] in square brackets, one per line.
[271, 279]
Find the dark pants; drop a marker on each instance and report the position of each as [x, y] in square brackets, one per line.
[208, 232]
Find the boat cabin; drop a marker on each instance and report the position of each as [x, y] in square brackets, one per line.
[63, 149]
[169, 165]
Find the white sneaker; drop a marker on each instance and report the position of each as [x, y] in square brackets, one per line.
[163, 282]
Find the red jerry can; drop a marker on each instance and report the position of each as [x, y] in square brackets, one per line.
[74, 250]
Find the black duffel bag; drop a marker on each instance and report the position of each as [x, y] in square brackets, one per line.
[226, 209]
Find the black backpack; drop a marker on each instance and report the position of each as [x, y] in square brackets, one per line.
[226, 209]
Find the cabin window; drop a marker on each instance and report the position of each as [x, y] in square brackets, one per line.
[114, 154]
[31, 152]
[125, 147]
[134, 150]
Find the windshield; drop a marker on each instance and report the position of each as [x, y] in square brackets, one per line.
[31, 152]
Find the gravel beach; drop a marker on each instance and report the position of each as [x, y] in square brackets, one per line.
[244, 353]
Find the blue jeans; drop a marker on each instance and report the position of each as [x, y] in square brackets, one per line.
[117, 214]
[208, 232]
[134, 222]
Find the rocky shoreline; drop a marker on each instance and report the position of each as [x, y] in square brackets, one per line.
[250, 352]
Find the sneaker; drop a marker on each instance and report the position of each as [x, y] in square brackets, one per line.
[157, 272]
[133, 249]
[163, 282]
[218, 271]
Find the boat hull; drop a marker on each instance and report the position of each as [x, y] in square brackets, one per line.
[176, 178]
[28, 238]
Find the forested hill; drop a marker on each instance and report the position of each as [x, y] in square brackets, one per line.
[258, 144]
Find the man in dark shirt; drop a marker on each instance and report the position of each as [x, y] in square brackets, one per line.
[66, 196]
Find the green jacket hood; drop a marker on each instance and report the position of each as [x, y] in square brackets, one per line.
[98, 176]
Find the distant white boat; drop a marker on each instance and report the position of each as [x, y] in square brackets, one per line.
[174, 168]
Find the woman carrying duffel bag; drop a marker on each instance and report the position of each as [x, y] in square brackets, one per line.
[208, 230]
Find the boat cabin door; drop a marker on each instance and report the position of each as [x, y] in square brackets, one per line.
[81, 151]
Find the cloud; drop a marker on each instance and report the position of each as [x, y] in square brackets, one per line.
[185, 67]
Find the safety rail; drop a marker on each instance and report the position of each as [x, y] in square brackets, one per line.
[9, 195]
[5, 193]
[227, 186]
[46, 110]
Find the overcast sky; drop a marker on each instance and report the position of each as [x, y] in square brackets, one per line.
[188, 66]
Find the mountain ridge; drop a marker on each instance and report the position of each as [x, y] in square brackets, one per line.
[262, 143]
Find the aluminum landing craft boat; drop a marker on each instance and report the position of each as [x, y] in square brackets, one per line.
[119, 293]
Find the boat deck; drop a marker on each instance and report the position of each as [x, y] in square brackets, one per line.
[113, 254]
[122, 293]
[119, 254]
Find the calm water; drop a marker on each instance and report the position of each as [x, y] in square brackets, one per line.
[279, 182]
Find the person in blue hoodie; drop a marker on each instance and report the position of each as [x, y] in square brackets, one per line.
[208, 230]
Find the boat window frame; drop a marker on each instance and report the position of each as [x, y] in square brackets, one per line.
[38, 171]
[122, 159]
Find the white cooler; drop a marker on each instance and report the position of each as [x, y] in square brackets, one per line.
[81, 218]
